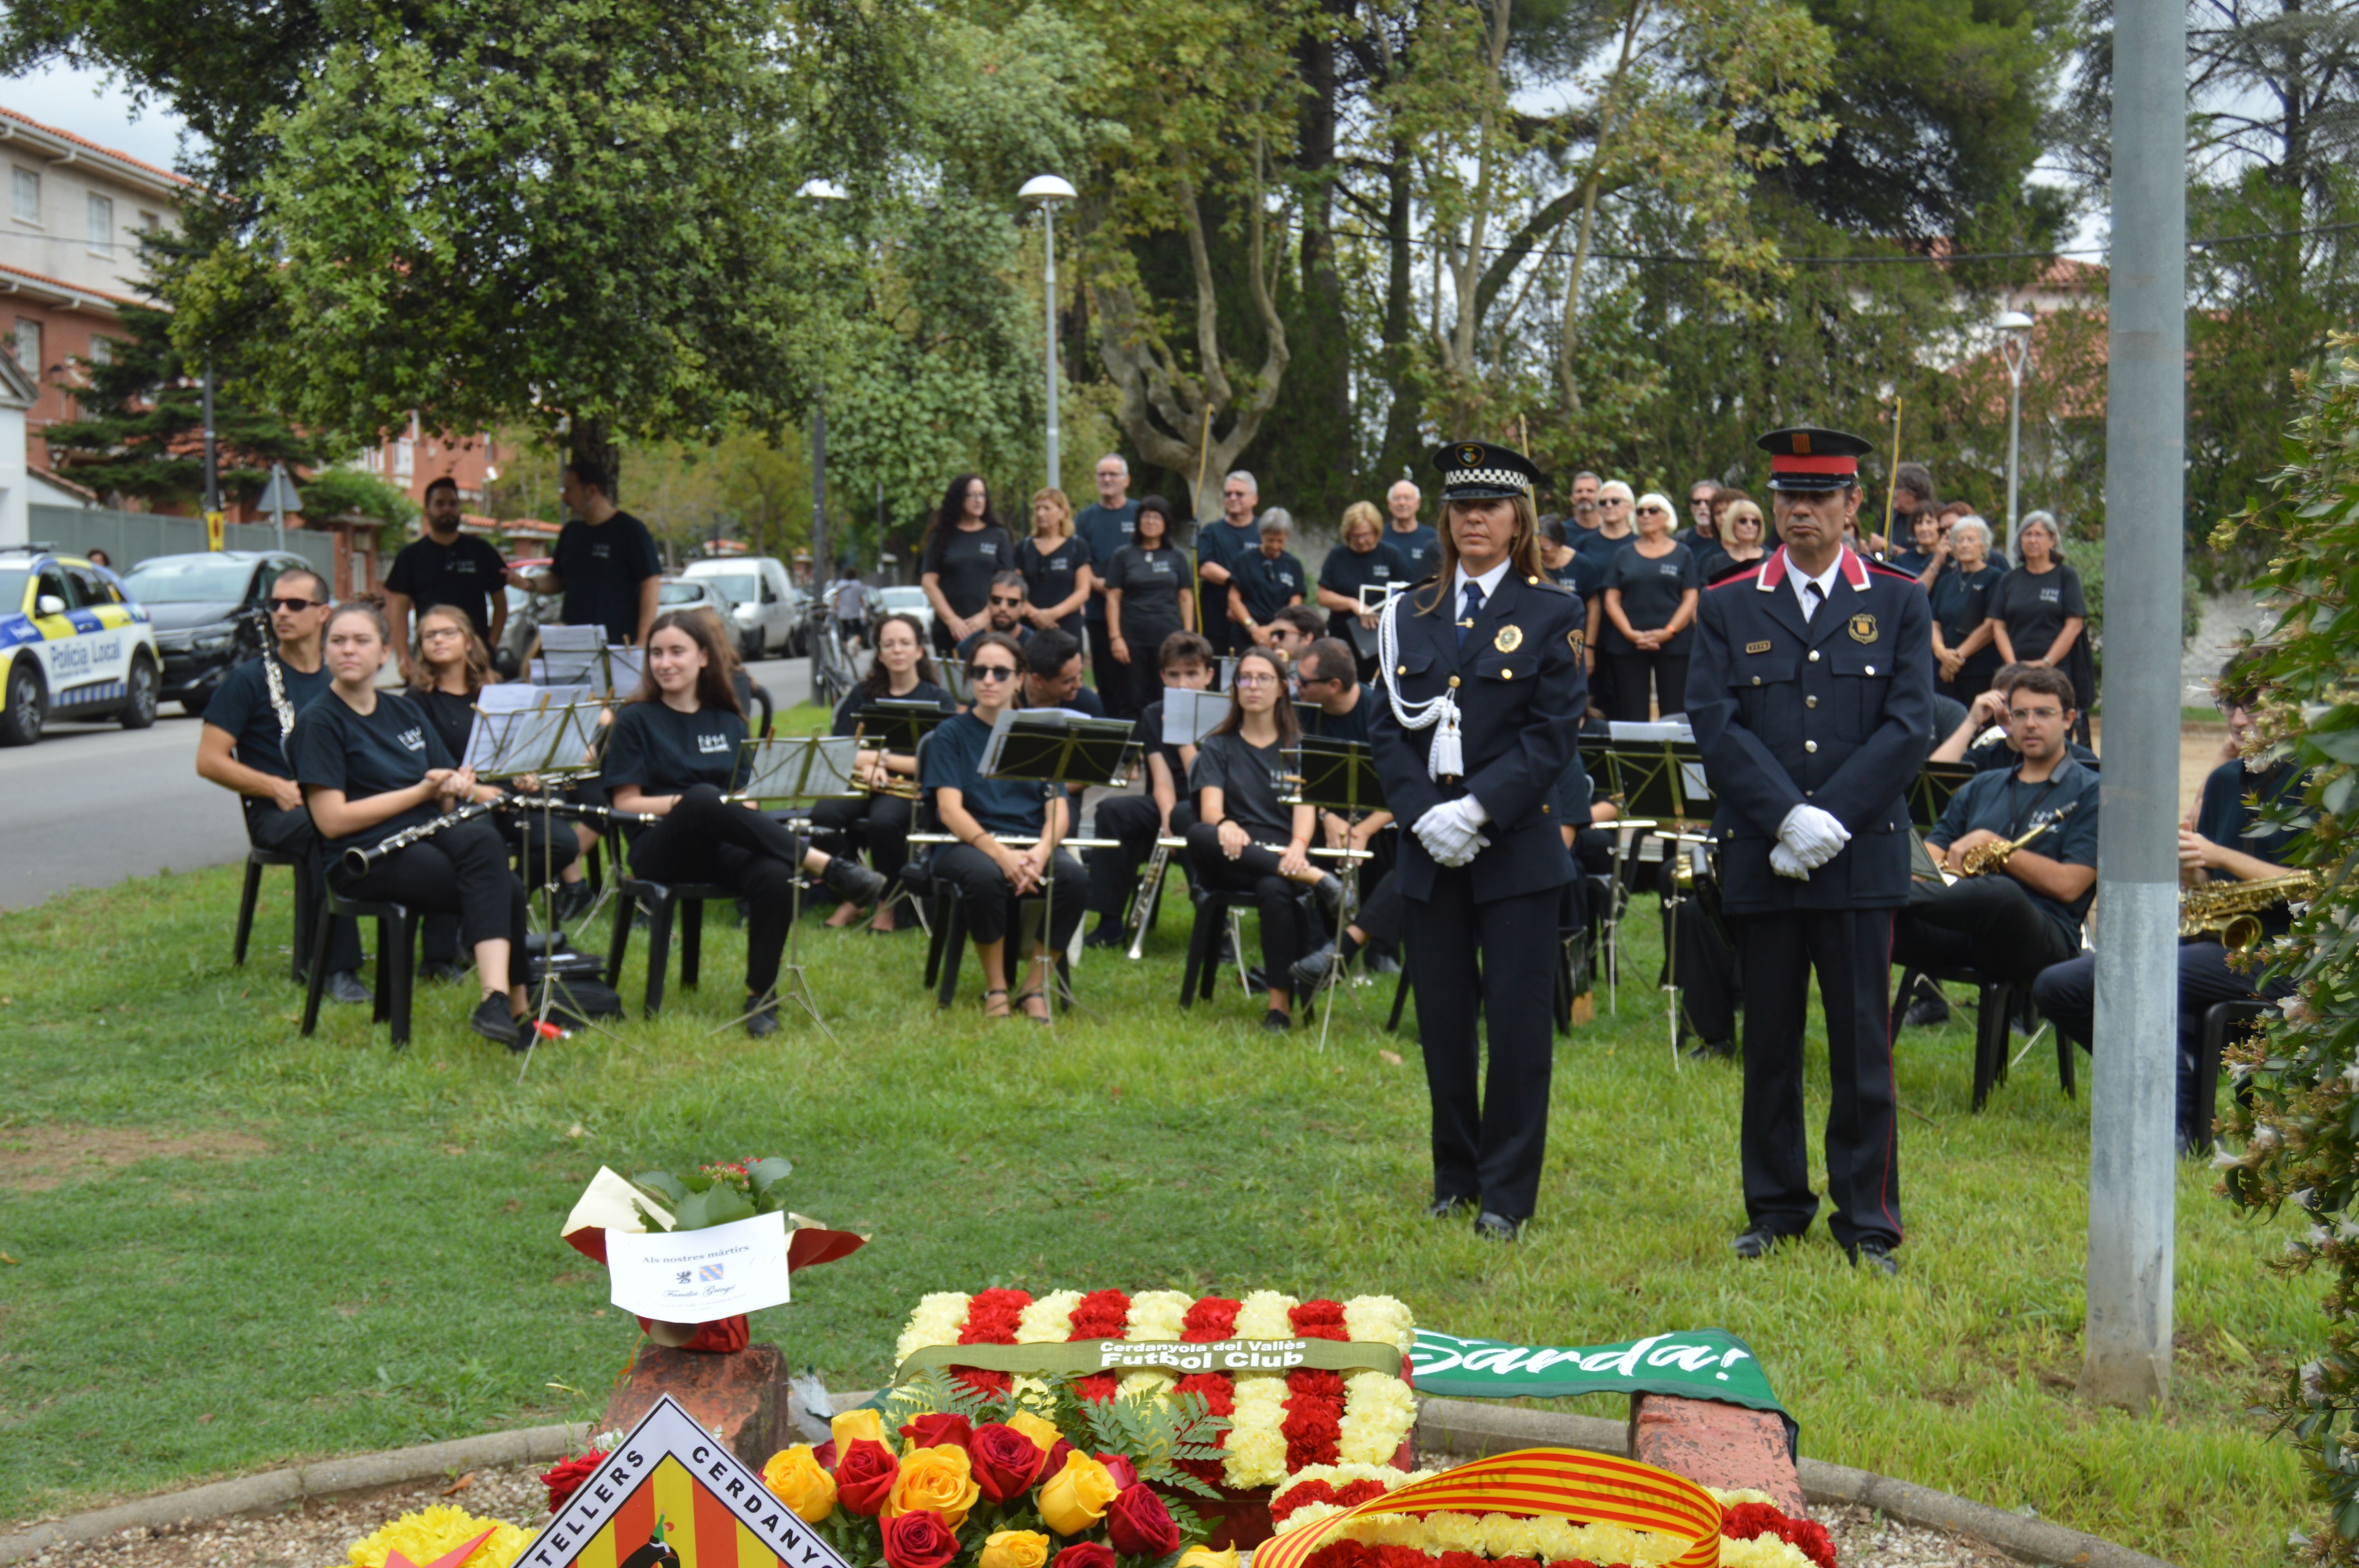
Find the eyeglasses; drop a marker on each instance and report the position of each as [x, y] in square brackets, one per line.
[440, 633]
[1264, 679]
[290, 606]
[1234, 494]
[992, 672]
[2038, 715]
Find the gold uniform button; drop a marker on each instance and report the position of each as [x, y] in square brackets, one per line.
[1811, 746]
[1454, 681]
[1400, 669]
[1814, 655]
[1871, 669]
[1506, 675]
[1757, 680]
[1533, 580]
[1809, 702]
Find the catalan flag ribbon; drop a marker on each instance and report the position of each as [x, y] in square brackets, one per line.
[1589, 1488]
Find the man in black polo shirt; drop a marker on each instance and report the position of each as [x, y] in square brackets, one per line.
[446, 566]
[607, 564]
[1219, 543]
[1105, 525]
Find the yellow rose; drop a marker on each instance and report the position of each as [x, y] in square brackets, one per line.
[795, 1478]
[1015, 1549]
[937, 1480]
[1043, 1434]
[1205, 1557]
[1076, 1496]
[853, 1426]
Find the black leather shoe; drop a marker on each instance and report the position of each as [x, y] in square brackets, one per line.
[1872, 1253]
[345, 986]
[1276, 1022]
[852, 881]
[1755, 1241]
[1723, 1050]
[1926, 1012]
[1313, 971]
[574, 900]
[441, 972]
[1106, 936]
[492, 1020]
[1329, 889]
[1443, 1208]
[1489, 1227]
[762, 1019]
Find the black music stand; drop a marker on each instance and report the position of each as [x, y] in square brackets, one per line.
[1337, 775]
[895, 724]
[1661, 783]
[1929, 796]
[1052, 746]
[803, 767]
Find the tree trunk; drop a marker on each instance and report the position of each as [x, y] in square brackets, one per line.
[1405, 419]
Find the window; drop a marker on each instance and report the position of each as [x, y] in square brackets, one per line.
[91, 590]
[149, 222]
[26, 195]
[27, 346]
[101, 351]
[404, 459]
[102, 223]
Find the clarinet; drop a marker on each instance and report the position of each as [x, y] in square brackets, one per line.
[274, 678]
[576, 811]
[358, 862]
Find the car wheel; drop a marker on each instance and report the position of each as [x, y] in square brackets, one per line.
[139, 705]
[20, 714]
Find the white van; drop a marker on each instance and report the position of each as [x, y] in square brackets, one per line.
[766, 597]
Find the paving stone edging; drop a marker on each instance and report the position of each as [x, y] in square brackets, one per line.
[1464, 1427]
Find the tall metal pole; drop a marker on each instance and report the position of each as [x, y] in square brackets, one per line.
[2132, 1100]
[818, 492]
[213, 456]
[1049, 218]
[2014, 436]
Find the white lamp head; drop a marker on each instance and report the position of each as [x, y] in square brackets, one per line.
[1045, 187]
[2013, 321]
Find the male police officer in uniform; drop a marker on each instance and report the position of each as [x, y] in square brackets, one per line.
[1482, 705]
[1811, 694]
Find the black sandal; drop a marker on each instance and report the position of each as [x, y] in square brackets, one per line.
[1002, 994]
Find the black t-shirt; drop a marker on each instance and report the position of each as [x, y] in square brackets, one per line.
[1150, 734]
[463, 574]
[1909, 559]
[1217, 544]
[363, 755]
[602, 568]
[452, 716]
[242, 708]
[1250, 779]
[1346, 572]
[664, 751]
[847, 712]
[1049, 577]
[2008, 806]
[1005, 808]
[1420, 551]
[2033, 607]
[1960, 600]
[2227, 821]
[965, 561]
[1268, 585]
[1151, 581]
[1353, 725]
[1709, 558]
[1651, 590]
[1106, 534]
[1729, 566]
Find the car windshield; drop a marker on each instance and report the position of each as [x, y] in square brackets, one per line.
[680, 593]
[902, 598]
[740, 589]
[187, 580]
[12, 589]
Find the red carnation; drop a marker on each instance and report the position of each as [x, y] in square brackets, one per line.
[1355, 1493]
[1318, 1320]
[1301, 1495]
[1138, 1523]
[1459, 1560]
[1124, 1473]
[1213, 1318]
[935, 1429]
[1401, 1557]
[1084, 1554]
[864, 1478]
[917, 1539]
[1746, 1520]
[566, 1475]
[1101, 1315]
[1098, 1387]
[1006, 1462]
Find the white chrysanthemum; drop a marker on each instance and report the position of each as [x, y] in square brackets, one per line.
[1454, 1532]
[1379, 1411]
[1145, 1383]
[1255, 1452]
[1031, 1392]
[1380, 1320]
[1157, 1317]
[936, 1321]
[1739, 1495]
[1264, 1314]
[1311, 1513]
[1049, 1319]
[1613, 1543]
[1763, 1551]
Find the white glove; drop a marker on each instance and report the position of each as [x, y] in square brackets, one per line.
[1813, 836]
[1452, 832]
[1782, 861]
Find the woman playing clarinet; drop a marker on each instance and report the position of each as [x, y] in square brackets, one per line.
[901, 672]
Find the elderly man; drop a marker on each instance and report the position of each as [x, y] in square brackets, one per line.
[1105, 526]
[1218, 547]
[1419, 546]
[1268, 580]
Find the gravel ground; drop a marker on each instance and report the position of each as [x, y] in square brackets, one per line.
[316, 1536]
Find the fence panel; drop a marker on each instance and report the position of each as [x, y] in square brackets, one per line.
[130, 537]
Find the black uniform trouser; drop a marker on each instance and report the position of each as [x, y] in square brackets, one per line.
[1987, 923]
[991, 905]
[1135, 821]
[1631, 671]
[1852, 951]
[886, 819]
[462, 871]
[704, 839]
[1288, 929]
[549, 847]
[1500, 957]
[2067, 995]
[1116, 682]
[291, 833]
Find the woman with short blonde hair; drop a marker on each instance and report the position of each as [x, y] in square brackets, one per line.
[1058, 571]
[1365, 558]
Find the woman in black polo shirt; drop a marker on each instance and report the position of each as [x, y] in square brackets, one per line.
[1056, 565]
[1006, 831]
[965, 548]
[1650, 607]
[900, 673]
[1239, 775]
[675, 751]
[371, 764]
[1965, 649]
[1150, 594]
[2042, 618]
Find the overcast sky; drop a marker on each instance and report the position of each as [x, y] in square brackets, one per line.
[82, 102]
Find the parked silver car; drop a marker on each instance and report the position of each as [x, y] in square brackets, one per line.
[705, 593]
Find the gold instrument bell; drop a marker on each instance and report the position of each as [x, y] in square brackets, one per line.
[900, 786]
[2231, 912]
[1984, 859]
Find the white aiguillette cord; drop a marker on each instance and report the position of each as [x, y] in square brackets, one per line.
[1444, 759]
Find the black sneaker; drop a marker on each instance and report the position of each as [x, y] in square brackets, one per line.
[1314, 969]
[1276, 1022]
[1106, 936]
[574, 900]
[761, 1017]
[1925, 1011]
[345, 986]
[492, 1020]
[852, 881]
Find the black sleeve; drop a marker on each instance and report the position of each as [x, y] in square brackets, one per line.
[945, 761]
[1688, 573]
[437, 752]
[847, 712]
[234, 705]
[627, 758]
[317, 749]
[650, 561]
[2221, 818]
[932, 561]
[1211, 769]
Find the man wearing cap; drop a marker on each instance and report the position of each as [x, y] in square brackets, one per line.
[1483, 701]
[1811, 694]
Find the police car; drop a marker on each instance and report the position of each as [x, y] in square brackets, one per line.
[73, 645]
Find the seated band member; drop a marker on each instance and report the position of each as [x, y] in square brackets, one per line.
[2011, 922]
[901, 672]
[371, 764]
[1332, 704]
[243, 747]
[1163, 809]
[1008, 831]
[1238, 778]
[1003, 611]
[2227, 844]
[1291, 630]
[1979, 737]
[675, 751]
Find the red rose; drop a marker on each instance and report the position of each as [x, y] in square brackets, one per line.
[1084, 1554]
[865, 1477]
[824, 1456]
[1124, 1473]
[1006, 1462]
[934, 1430]
[1140, 1525]
[1057, 1457]
[917, 1539]
[567, 1474]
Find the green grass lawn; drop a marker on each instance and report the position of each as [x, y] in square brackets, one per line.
[228, 1248]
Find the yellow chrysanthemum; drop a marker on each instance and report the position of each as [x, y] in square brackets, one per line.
[430, 1532]
[1763, 1551]
[936, 1321]
[1157, 1317]
[1379, 1411]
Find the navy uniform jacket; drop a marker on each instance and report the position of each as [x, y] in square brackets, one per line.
[1832, 712]
[1521, 694]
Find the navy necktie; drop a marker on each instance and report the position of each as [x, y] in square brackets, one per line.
[1812, 594]
[1467, 612]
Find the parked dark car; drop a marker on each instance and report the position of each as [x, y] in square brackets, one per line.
[201, 606]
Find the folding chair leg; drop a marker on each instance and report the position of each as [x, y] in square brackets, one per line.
[399, 938]
[318, 978]
[692, 943]
[618, 947]
[381, 1002]
[307, 915]
[246, 900]
[1401, 1001]
[659, 951]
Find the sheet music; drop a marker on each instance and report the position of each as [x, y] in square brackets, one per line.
[1673, 729]
[522, 729]
[627, 665]
[1691, 780]
[1190, 716]
[815, 767]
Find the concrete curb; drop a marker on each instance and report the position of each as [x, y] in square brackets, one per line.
[297, 1483]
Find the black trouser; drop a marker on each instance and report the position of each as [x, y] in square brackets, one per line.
[1987, 923]
[1974, 677]
[1118, 682]
[1499, 957]
[549, 847]
[2067, 995]
[462, 871]
[886, 820]
[1852, 951]
[291, 833]
[1602, 692]
[1143, 677]
[991, 904]
[1288, 929]
[1631, 671]
[704, 839]
[1381, 913]
[1136, 822]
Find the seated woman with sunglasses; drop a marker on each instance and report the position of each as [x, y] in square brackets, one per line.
[1239, 775]
[1007, 833]
[676, 749]
[901, 672]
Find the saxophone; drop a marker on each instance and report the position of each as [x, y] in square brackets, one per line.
[1984, 859]
[2230, 913]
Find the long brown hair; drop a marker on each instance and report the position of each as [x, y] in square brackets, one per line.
[878, 682]
[712, 684]
[1523, 550]
[1290, 728]
[474, 661]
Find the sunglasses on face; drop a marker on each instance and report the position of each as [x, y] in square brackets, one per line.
[992, 672]
[1005, 603]
[1650, 512]
[291, 606]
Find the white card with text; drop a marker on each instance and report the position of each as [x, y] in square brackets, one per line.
[696, 1276]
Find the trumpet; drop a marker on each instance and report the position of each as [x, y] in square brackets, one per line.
[1984, 859]
[2231, 912]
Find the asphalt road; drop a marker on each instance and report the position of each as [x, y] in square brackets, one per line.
[93, 803]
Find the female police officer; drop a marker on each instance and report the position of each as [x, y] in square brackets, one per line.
[1483, 674]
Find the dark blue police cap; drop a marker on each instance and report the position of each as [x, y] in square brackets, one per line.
[1477, 471]
[1807, 457]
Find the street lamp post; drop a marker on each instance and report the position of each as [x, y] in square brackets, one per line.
[1045, 190]
[2015, 347]
[819, 190]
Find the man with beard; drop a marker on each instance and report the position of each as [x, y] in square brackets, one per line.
[446, 566]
